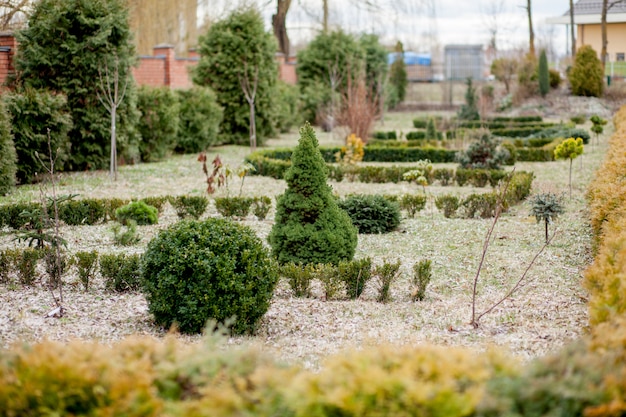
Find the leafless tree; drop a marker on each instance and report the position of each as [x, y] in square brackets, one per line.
[531, 32]
[606, 6]
[250, 93]
[571, 24]
[111, 97]
[14, 13]
[492, 17]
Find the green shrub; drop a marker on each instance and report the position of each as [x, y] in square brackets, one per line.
[483, 153]
[112, 204]
[8, 157]
[299, 277]
[328, 275]
[158, 125]
[261, 206]
[32, 113]
[156, 202]
[518, 119]
[483, 205]
[554, 77]
[463, 176]
[215, 269]
[355, 274]
[534, 155]
[125, 235]
[11, 214]
[578, 119]
[586, 76]
[233, 206]
[543, 74]
[9, 259]
[386, 275]
[82, 212]
[447, 203]
[288, 114]
[512, 150]
[469, 110]
[86, 263]
[422, 274]
[138, 211]
[121, 272]
[55, 264]
[371, 213]
[199, 119]
[562, 131]
[397, 74]
[412, 203]
[479, 177]
[27, 266]
[416, 135]
[444, 175]
[189, 206]
[520, 186]
[309, 227]
[390, 135]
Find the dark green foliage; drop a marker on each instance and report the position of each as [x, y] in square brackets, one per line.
[287, 113]
[330, 52]
[562, 132]
[512, 150]
[9, 258]
[518, 119]
[554, 78]
[416, 135]
[355, 274]
[261, 206]
[578, 119]
[64, 45]
[397, 73]
[8, 157]
[299, 277]
[448, 204]
[543, 74]
[534, 155]
[112, 204]
[309, 226]
[121, 272]
[422, 274]
[483, 205]
[386, 274]
[479, 178]
[412, 203]
[520, 186]
[156, 201]
[32, 114]
[199, 119]
[232, 48]
[138, 211]
[546, 207]
[445, 176]
[233, 206]
[586, 76]
[10, 214]
[469, 110]
[86, 263]
[215, 269]
[55, 263]
[495, 176]
[483, 153]
[189, 206]
[431, 131]
[158, 124]
[518, 132]
[26, 266]
[381, 135]
[372, 213]
[375, 56]
[82, 212]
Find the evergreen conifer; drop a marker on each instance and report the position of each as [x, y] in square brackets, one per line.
[8, 157]
[544, 74]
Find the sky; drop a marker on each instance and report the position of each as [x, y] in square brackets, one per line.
[420, 24]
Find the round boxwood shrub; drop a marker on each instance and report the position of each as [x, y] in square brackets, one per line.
[138, 211]
[372, 213]
[214, 269]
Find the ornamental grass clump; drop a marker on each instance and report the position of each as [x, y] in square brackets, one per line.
[309, 225]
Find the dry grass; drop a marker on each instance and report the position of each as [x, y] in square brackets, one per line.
[548, 311]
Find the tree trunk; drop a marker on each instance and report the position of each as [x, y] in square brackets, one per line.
[570, 178]
[571, 23]
[531, 32]
[279, 24]
[325, 18]
[252, 127]
[546, 222]
[113, 143]
[605, 41]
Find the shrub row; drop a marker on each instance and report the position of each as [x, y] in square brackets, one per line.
[381, 135]
[90, 211]
[120, 272]
[421, 134]
[241, 206]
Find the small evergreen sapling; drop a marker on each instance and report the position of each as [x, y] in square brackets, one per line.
[546, 207]
[569, 149]
[598, 126]
[469, 110]
[543, 73]
[309, 225]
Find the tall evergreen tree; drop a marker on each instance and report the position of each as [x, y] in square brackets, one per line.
[62, 49]
[8, 157]
[469, 110]
[397, 75]
[309, 225]
[231, 46]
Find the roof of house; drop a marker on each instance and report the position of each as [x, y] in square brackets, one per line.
[589, 11]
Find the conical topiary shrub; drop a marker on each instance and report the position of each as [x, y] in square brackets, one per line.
[309, 225]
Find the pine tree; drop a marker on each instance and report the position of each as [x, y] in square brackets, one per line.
[544, 74]
[309, 225]
[7, 154]
[469, 110]
[431, 130]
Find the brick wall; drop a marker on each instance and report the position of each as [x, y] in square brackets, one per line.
[160, 69]
[8, 46]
